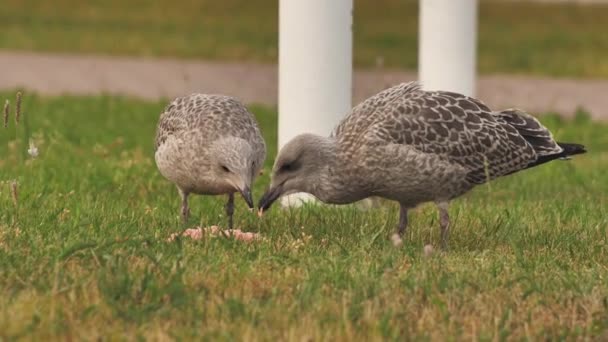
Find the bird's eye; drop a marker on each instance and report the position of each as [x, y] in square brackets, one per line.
[287, 167]
[225, 169]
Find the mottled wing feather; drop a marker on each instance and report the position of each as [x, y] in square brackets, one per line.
[370, 111]
[532, 130]
[351, 131]
[202, 112]
[456, 128]
[171, 121]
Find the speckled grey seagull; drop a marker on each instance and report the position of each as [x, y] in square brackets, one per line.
[209, 145]
[413, 146]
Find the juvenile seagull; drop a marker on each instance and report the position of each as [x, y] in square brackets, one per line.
[413, 146]
[209, 145]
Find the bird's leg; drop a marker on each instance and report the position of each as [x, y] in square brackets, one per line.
[401, 226]
[444, 222]
[185, 209]
[230, 209]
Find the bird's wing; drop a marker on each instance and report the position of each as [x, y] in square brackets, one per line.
[213, 115]
[532, 130]
[371, 110]
[363, 117]
[457, 128]
[172, 120]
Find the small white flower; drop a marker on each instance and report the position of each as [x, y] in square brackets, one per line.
[33, 150]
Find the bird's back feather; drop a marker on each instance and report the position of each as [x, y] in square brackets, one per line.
[455, 128]
[214, 116]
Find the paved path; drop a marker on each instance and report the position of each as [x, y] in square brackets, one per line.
[257, 83]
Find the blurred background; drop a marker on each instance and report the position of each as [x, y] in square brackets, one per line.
[539, 55]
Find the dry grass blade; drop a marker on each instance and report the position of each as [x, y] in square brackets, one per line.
[18, 107]
[15, 192]
[7, 107]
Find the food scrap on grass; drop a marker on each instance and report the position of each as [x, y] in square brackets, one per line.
[214, 231]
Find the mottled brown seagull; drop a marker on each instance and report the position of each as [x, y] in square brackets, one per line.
[209, 145]
[413, 146]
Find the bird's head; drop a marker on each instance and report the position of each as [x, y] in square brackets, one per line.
[235, 166]
[298, 167]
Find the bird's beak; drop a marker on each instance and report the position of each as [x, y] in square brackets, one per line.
[269, 197]
[246, 193]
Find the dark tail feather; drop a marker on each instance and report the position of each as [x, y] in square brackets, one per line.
[572, 149]
[569, 150]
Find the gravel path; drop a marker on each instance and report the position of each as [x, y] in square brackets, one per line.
[149, 78]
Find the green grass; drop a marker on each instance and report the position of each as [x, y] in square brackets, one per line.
[514, 37]
[83, 252]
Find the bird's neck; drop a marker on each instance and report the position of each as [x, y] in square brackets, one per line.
[331, 184]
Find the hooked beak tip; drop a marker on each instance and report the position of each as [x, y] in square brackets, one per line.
[269, 197]
[246, 193]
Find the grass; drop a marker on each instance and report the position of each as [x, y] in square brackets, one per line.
[514, 37]
[83, 252]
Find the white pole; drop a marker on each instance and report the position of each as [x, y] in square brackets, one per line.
[315, 68]
[447, 45]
